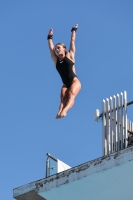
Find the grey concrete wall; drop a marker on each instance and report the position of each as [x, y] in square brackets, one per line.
[97, 179]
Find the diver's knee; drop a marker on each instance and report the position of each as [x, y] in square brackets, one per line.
[63, 99]
[71, 95]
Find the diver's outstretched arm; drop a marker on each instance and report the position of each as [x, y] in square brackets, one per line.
[72, 49]
[51, 45]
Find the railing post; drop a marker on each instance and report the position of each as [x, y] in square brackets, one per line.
[118, 121]
[115, 125]
[122, 120]
[125, 120]
[47, 168]
[107, 126]
[104, 147]
[111, 126]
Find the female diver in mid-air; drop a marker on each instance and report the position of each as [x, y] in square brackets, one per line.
[64, 62]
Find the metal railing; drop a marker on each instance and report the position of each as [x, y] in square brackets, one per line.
[117, 130]
[54, 165]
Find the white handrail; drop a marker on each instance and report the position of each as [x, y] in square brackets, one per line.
[115, 125]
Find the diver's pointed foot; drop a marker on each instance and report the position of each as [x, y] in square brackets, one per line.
[63, 114]
[58, 116]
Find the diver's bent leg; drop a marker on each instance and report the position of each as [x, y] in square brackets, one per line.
[62, 102]
[62, 105]
[69, 104]
[60, 109]
[72, 93]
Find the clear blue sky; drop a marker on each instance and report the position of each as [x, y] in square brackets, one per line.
[30, 85]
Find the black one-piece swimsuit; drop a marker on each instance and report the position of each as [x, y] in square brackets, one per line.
[64, 67]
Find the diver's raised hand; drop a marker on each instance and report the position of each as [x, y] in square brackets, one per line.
[50, 32]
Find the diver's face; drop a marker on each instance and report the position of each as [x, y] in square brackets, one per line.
[59, 49]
